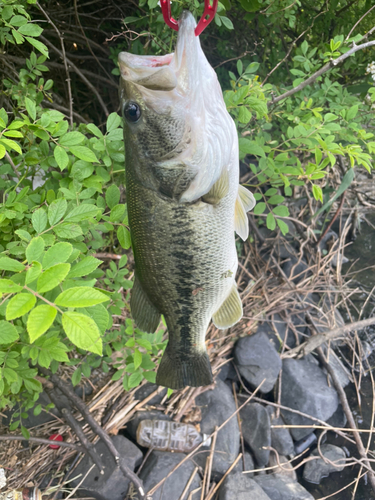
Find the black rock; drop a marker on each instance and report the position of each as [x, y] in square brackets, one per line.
[338, 419]
[217, 406]
[240, 486]
[83, 389]
[301, 445]
[249, 465]
[284, 332]
[284, 249]
[132, 426]
[281, 439]
[282, 488]
[296, 270]
[224, 370]
[145, 390]
[112, 485]
[158, 466]
[315, 470]
[256, 431]
[304, 388]
[257, 359]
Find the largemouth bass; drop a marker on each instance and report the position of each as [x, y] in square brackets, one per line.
[184, 202]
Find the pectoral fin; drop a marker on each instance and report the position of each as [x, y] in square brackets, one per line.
[246, 197]
[230, 310]
[144, 313]
[245, 201]
[218, 190]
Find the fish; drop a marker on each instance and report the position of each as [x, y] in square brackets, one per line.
[184, 202]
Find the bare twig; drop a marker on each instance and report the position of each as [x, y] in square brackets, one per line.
[332, 220]
[79, 73]
[359, 20]
[349, 415]
[7, 156]
[70, 98]
[331, 64]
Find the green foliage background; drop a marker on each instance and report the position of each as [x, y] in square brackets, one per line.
[61, 305]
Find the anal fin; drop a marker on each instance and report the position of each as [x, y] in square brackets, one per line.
[144, 313]
[218, 190]
[230, 310]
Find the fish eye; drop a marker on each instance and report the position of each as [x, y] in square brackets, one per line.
[132, 111]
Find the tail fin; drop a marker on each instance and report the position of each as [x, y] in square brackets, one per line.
[176, 372]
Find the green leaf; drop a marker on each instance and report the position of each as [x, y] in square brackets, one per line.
[251, 148]
[259, 208]
[100, 315]
[317, 192]
[19, 305]
[24, 235]
[271, 221]
[8, 333]
[33, 272]
[82, 212]
[52, 277]
[137, 357]
[345, 183]
[57, 254]
[95, 130]
[150, 377]
[112, 196]
[124, 238]
[72, 139]
[30, 30]
[8, 286]
[281, 211]
[84, 267]
[10, 144]
[117, 213]
[34, 249]
[80, 296]
[352, 112]
[61, 157]
[30, 108]
[113, 121]
[76, 377]
[244, 115]
[82, 331]
[276, 199]
[38, 45]
[8, 264]
[227, 22]
[135, 379]
[83, 153]
[56, 210]
[283, 227]
[68, 231]
[39, 321]
[39, 220]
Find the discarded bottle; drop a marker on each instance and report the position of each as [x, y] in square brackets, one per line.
[24, 494]
[163, 435]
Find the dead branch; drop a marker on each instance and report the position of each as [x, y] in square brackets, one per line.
[317, 340]
[79, 404]
[43, 441]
